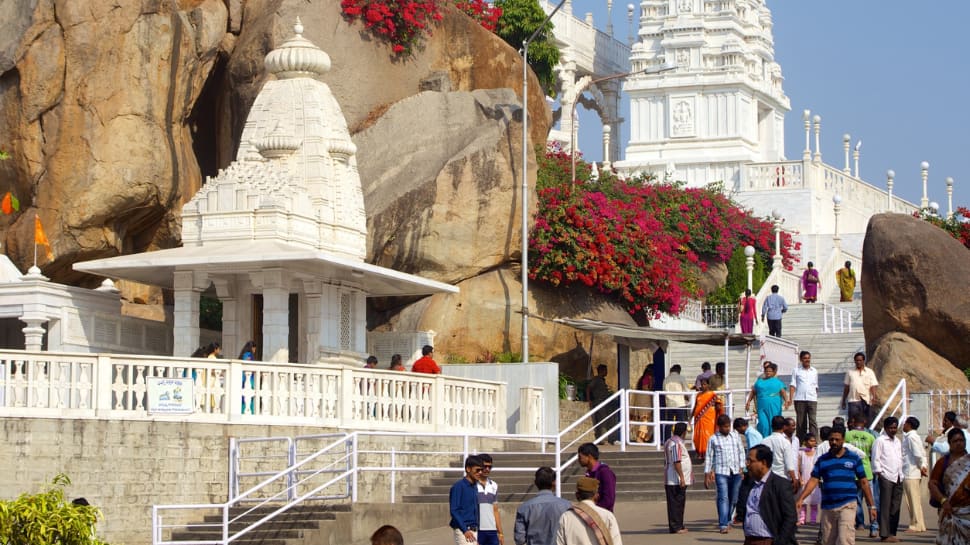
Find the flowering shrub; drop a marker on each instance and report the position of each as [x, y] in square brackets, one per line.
[958, 226]
[402, 23]
[643, 242]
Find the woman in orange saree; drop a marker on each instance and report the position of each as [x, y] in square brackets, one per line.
[707, 407]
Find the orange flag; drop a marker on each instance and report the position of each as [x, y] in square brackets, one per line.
[41, 238]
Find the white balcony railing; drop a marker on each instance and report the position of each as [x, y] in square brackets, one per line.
[49, 384]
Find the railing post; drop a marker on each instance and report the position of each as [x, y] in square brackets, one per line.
[102, 385]
[345, 403]
[393, 473]
[354, 480]
[233, 469]
[234, 375]
[290, 462]
[624, 419]
[438, 408]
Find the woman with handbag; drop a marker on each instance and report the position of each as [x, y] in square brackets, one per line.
[950, 489]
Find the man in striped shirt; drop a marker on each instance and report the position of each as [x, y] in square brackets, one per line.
[724, 464]
[842, 474]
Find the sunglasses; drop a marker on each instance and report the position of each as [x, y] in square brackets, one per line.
[476, 470]
[486, 468]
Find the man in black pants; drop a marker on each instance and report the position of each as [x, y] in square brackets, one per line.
[677, 477]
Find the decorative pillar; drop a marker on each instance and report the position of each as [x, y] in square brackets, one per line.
[276, 316]
[231, 334]
[610, 91]
[845, 148]
[609, 17]
[890, 176]
[836, 208]
[855, 157]
[818, 130]
[949, 197]
[777, 220]
[807, 118]
[187, 291]
[33, 333]
[606, 147]
[924, 168]
[313, 297]
[567, 80]
[749, 264]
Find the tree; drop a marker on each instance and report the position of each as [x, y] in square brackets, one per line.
[47, 519]
[520, 18]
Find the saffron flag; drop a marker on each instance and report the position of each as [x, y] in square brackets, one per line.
[41, 238]
[10, 204]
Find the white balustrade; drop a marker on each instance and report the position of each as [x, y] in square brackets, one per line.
[116, 386]
[777, 175]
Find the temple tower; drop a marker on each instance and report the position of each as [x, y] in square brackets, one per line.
[721, 106]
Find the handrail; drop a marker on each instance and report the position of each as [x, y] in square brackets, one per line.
[903, 403]
[560, 465]
[836, 319]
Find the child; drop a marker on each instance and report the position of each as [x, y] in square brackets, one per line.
[806, 459]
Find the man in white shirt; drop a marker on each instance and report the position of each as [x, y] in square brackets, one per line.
[804, 391]
[580, 524]
[914, 469]
[675, 406]
[887, 467]
[783, 457]
[859, 392]
[677, 477]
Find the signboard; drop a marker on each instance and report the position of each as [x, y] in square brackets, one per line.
[171, 395]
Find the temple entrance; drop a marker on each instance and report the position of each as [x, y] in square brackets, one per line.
[293, 321]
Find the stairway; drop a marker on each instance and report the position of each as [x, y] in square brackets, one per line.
[301, 525]
[639, 477]
[831, 353]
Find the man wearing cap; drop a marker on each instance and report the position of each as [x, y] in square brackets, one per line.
[585, 523]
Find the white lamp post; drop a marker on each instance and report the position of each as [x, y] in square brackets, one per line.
[807, 119]
[949, 197]
[525, 180]
[846, 138]
[855, 157]
[924, 168]
[777, 220]
[890, 176]
[629, 17]
[836, 208]
[749, 264]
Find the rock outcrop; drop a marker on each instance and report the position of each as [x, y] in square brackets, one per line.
[899, 356]
[113, 114]
[485, 317]
[915, 281]
[445, 200]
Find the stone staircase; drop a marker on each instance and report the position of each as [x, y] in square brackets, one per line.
[301, 525]
[831, 353]
[639, 477]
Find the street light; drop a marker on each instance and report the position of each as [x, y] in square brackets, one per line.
[836, 208]
[777, 220]
[525, 180]
[924, 168]
[584, 83]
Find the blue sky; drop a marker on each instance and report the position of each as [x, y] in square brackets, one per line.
[893, 73]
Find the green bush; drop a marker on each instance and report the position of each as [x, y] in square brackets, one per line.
[47, 519]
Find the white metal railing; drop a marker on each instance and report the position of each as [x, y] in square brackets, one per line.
[285, 476]
[116, 386]
[836, 319]
[941, 401]
[720, 316]
[645, 410]
[693, 310]
[899, 396]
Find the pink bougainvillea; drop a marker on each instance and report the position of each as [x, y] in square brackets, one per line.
[641, 241]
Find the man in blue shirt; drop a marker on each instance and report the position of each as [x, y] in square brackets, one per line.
[463, 503]
[772, 310]
[842, 474]
[752, 437]
[537, 519]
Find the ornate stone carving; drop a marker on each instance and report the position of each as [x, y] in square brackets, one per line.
[682, 117]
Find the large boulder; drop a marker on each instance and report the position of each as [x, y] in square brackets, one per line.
[898, 356]
[484, 317]
[446, 203]
[915, 281]
[114, 113]
[94, 103]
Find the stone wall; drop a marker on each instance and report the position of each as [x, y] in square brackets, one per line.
[125, 467]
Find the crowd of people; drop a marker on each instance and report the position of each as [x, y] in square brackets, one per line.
[545, 518]
[833, 476]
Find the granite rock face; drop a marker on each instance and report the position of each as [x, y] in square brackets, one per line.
[114, 113]
[899, 356]
[915, 281]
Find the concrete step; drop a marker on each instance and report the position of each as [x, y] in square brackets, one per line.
[651, 493]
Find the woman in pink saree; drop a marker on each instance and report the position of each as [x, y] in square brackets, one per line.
[748, 312]
[810, 283]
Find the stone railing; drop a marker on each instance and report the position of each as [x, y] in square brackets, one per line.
[593, 50]
[232, 391]
[780, 175]
[789, 286]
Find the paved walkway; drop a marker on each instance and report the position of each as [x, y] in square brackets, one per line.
[642, 523]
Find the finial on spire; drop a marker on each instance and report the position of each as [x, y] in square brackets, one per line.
[298, 27]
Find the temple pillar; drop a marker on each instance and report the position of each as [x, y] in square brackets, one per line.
[567, 80]
[232, 337]
[313, 297]
[611, 118]
[188, 290]
[33, 333]
[276, 316]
